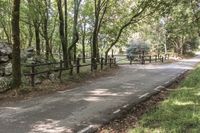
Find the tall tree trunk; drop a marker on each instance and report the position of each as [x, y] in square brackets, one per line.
[37, 37]
[30, 33]
[66, 31]
[62, 32]
[16, 60]
[74, 54]
[83, 41]
[123, 27]
[36, 26]
[47, 47]
[75, 36]
[46, 37]
[95, 40]
[99, 12]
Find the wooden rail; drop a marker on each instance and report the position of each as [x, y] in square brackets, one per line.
[93, 64]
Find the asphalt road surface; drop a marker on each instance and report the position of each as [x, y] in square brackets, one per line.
[88, 106]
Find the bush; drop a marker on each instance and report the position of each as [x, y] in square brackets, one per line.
[136, 48]
[5, 83]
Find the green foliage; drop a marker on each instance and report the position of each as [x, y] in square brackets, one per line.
[168, 25]
[5, 83]
[178, 113]
[136, 48]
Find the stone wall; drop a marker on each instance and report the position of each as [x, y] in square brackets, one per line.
[5, 59]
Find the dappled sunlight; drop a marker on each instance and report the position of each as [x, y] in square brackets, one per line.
[98, 95]
[147, 130]
[105, 92]
[197, 94]
[128, 93]
[11, 108]
[183, 103]
[93, 99]
[49, 126]
[102, 92]
[168, 67]
[196, 115]
[98, 91]
[187, 88]
[195, 60]
[177, 66]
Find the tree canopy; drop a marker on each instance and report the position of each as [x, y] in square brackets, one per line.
[65, 29]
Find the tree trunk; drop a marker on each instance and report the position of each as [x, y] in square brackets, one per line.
[30, 33]
[45, 30]
[16, 60]
[75, 34]
[83, 42]
[66, 31]
[95, 31]
[100, 11]
[94, 42]
[37, 37]
[62, 33]
[75, 53]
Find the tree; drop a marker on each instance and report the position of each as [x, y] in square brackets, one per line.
[135, 15]
[62, 32]
[66, 31]
[16, 61]
[5, 22]
[35, 17]
[75, 34]
[100, 8]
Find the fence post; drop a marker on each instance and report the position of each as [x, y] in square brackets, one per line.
[78, 65]
[102, 63]
[143, 57]
[110, 62]
[71, 69]
[162, 59]
[112, 53]
[155, 58]
[108, 59]
[92, 64]
[95, 64]
[32, 75]
[150, 59]
[131, 61]
[143, 61]
[115, 61]
[60, 74]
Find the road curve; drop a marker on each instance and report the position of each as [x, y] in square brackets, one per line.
[90, 105]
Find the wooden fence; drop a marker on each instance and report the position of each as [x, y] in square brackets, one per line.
[140, 59]
[94, 63]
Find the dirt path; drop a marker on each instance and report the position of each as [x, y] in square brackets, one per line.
[96, 102]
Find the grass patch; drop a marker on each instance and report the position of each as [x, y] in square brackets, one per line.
[179, 113]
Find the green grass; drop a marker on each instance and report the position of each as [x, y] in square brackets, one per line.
[180, 113]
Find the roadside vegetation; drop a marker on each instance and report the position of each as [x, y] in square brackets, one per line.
[50, 31]
[173, 110]
[179, 113]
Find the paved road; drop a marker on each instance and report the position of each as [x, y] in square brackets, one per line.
[87, 106]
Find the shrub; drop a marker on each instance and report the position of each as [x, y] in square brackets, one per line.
[136, 48]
